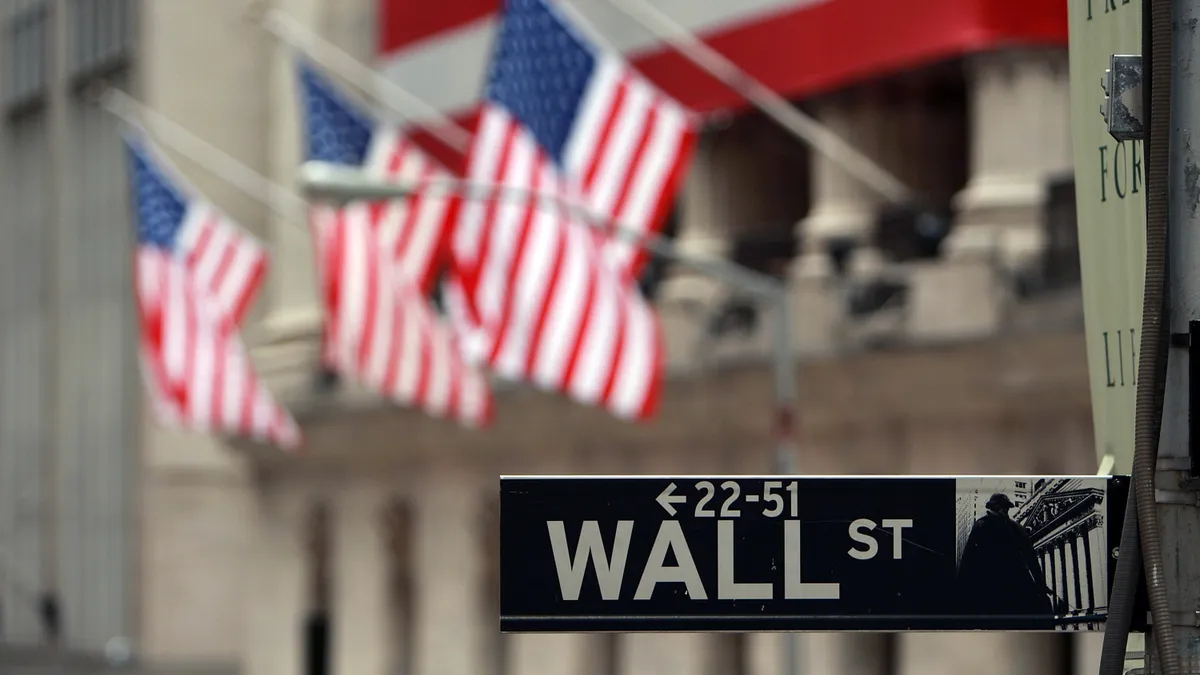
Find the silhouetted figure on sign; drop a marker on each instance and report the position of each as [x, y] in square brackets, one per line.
[1000, 574]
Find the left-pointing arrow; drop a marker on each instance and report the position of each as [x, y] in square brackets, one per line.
[666, 499]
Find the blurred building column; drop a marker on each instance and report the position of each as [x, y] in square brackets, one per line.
[847, 653]
[1086, 648]
[60, 199]
[660, 653]
[275, 595]
[979, 653]
[821, 653]
[450, 614]
[706, 212]
[843, 206]
[1019, 134]
[843, 209]
[561, 654]
[293, 312]
[363, 618]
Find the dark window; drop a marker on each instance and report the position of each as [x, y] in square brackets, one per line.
[26, 59]
[102, 37]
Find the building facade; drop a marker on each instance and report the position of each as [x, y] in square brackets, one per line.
[374, 552]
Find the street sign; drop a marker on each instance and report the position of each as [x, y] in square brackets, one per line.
[764, 553]
[1110, 196]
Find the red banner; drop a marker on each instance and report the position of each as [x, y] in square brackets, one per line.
[797, 49]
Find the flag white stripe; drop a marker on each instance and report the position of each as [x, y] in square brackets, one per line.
[631, 386]
[195, 333]
[566, 309]
[620, 152]
[407, 344]
[596, 108]
[650, 176]
[484, 167]
[511, 214]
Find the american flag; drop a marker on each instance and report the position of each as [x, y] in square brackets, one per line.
[223, 260]
[196, 369]
[339, 131]
[376, 262]
[618, 142]
[553, 302]
[381, 329]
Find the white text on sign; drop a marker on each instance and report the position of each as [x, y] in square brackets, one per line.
[726, 500]
[610, 566]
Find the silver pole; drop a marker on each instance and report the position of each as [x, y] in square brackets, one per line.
[1178, 513]
[788, 116]
[131, 112]
[786, 408]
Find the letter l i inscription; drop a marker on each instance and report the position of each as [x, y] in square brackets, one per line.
[727, 586]
[793, 587]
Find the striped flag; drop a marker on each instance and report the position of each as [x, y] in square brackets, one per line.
[380, 328]
[619, 143]
[551, 302]
[196, 370]
[339, 131]
[376, 263]
[223, 260]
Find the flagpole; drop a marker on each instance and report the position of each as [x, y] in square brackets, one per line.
[788, 116]
[275, 197]
[368, 80]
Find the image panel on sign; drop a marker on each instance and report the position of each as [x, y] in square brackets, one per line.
[1033, 547]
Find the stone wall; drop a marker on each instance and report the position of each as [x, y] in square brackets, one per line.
[1014, 405]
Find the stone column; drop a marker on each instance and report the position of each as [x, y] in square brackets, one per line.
[1019, 110]
[1086, 648]
[199, 520]
[766, 654]
[843, 206]
[840, 653]
[275, 598]
[450, 638]
[847, 653]
[704, 213]
[293, 312]
[364, 630]
[565, 654]
[659, 653]
[979, 653]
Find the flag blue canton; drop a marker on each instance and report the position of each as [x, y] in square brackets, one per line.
[337, 130]
[159, 205]
[539, 72]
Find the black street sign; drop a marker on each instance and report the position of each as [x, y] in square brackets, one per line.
[762, 553]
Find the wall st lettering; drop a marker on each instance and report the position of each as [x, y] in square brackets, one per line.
[1109, 6]
[1120, 170]
[1120, 357]
[670, 543]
